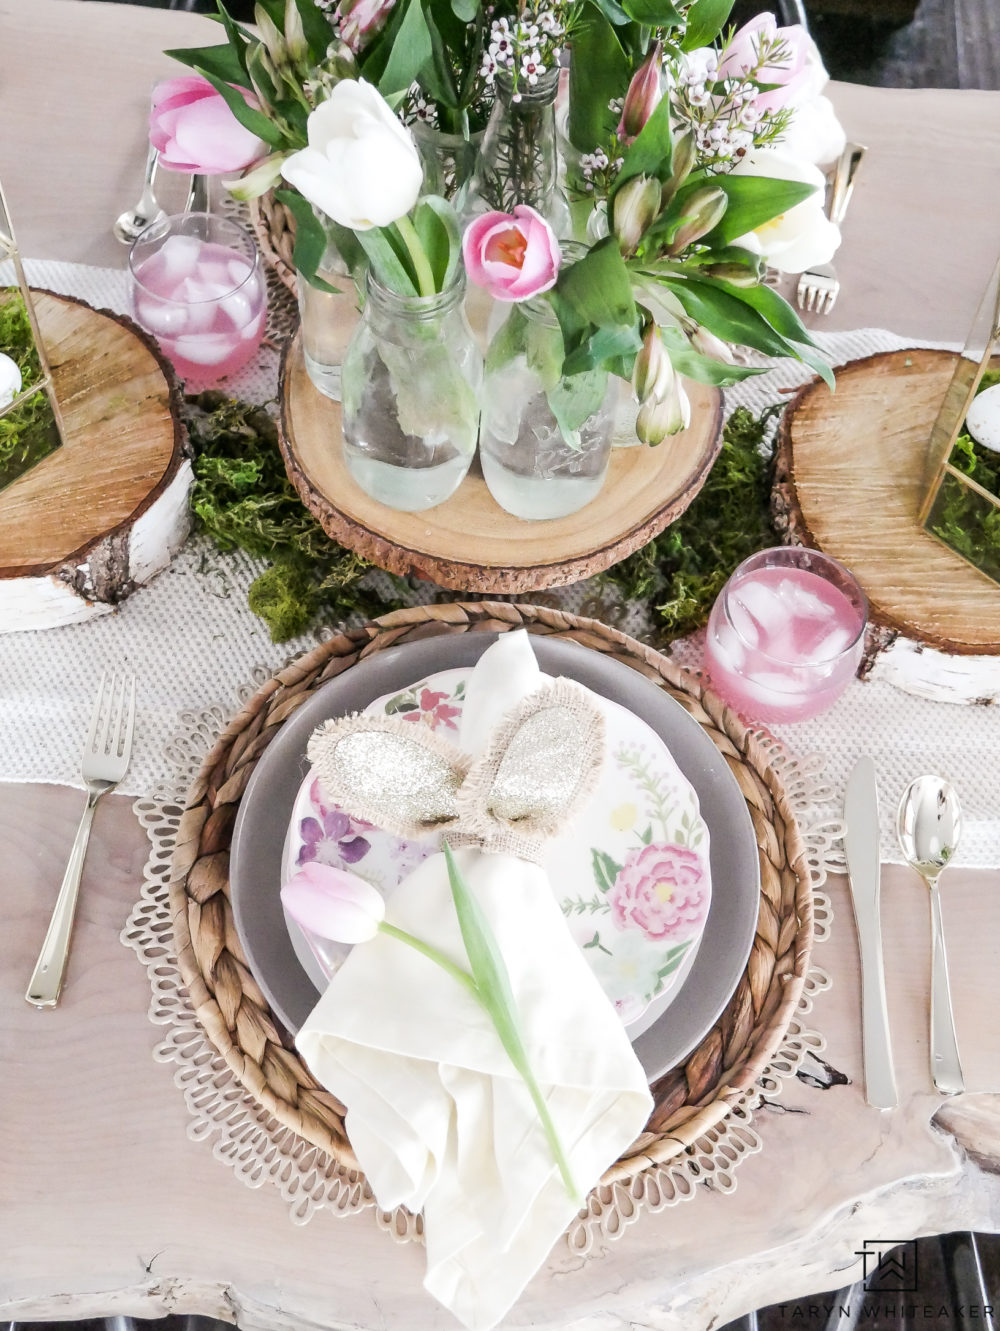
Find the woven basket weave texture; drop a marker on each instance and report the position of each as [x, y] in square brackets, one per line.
[689, 1099]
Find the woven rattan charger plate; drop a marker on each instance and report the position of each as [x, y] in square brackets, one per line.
[689, 1099]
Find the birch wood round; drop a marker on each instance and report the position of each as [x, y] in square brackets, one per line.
[689, 1099]
[469, 543]
[107, 510]
[849, 480]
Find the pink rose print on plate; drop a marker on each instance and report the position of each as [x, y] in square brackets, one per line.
[434, 711]
[663, 890]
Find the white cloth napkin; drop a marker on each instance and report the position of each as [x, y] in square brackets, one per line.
[438, 1117]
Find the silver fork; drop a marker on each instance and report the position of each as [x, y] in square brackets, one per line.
[105, 761]
[819, 287]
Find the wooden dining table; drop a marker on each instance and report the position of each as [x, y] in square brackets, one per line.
[107, 1204]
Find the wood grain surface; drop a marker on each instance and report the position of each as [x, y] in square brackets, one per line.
[122, 443]
[850, 475]
[469, 542]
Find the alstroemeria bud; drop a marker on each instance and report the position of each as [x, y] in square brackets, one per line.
[681, 162]
[333, 903]
[264, 176]
[703, 210]
[710, 345]
[274, 42]
[653, 373]
[643, 96]
[295, 36]
[636, 205]
[736, 274]
[660, 417]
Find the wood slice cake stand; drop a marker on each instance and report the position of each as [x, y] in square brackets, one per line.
[469, 543]
[849, 480]
[106, 511]
[690, 1099]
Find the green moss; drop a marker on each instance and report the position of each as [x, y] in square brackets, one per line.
[243, 499]
[962, 518]
[683, 570]
[28, 433]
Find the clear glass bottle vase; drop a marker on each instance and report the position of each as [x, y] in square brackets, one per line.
[410, 384]
[519, 161]
[545, 437]
[326, 319]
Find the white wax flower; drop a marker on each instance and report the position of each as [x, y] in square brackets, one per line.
[10, 380]
[361, 167]
[801, 237]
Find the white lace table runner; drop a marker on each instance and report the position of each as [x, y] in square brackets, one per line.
[261, 1150]
[189, 635]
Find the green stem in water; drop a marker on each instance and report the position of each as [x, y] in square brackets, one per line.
[421, 265]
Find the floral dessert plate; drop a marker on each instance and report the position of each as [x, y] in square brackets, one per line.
[631, 872]
[265, 813]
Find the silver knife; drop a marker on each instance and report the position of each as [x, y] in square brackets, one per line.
[861, 844]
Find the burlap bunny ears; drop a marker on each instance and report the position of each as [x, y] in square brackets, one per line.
[540, 763]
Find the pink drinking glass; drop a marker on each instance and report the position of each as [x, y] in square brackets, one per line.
[197, 285]
[786, 634]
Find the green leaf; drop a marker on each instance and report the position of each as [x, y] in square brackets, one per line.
[653, 13]
[597, 73]
[612, 11]
[411, 51]
[239, 38]
[647, 836]
[652, 152]
[310, 239]
[705, 20]
[437, 226]
[727, 312]
[253, 120]
[674, 958]
[598, 289]
[574, 399]
[389, 261]
[603, 346]
[703, 369]
[316, 27]
[221, 61]
[780, 315]
[753, 200]
[605, 869]
[489, 971]
[465, 10]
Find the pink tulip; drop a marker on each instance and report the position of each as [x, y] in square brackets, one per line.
[193, 129]
[333, 903]
[800, 75]
[359, 18]
[512, 256]
[643, 96]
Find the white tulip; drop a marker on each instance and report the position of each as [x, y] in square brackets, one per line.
[801, 237]
[361, 166]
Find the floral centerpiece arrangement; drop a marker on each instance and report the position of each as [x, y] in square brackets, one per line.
[687, 169]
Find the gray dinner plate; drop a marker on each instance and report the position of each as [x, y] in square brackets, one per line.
[266, 808]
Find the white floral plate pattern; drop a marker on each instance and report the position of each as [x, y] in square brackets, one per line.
[631, 873]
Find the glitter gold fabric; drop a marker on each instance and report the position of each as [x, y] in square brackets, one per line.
[539, 765]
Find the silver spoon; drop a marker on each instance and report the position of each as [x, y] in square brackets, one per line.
[929, 825]
[147, 210]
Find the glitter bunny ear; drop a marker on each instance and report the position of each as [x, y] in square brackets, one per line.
[541, 763]
[389, 772]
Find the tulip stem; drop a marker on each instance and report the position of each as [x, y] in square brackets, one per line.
[426, 286]
[433, 954]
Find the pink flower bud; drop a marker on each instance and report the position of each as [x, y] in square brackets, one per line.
[193, 129]
[643, 96]
[333, 903]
